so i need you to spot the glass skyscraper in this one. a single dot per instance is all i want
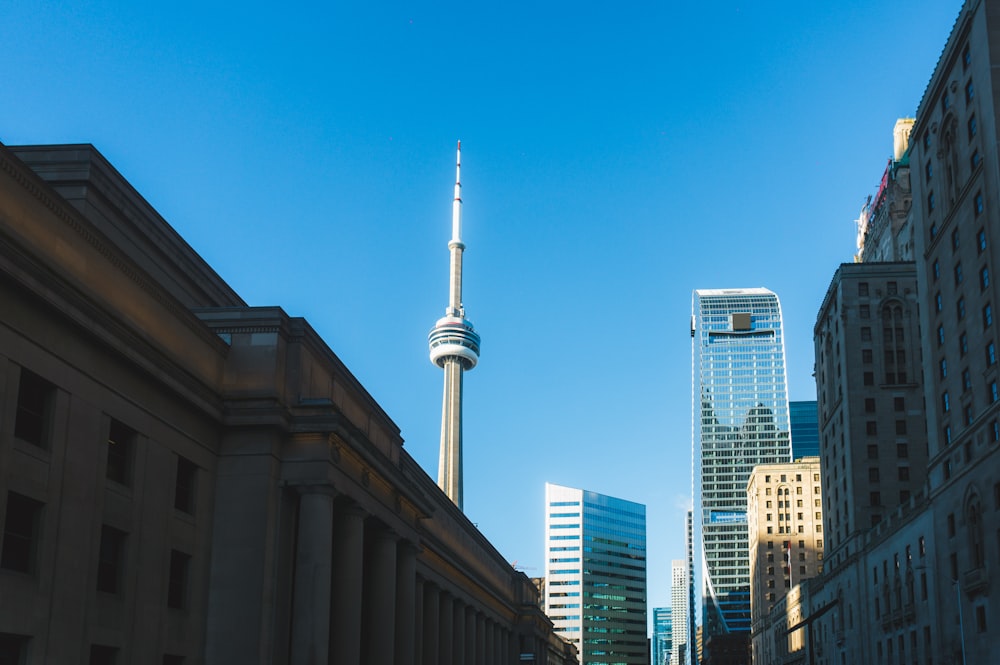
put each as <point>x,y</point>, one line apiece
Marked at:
<point>595,574</point>
<point>740,419</point>
<point>804,421</point>
<point>662,635</point>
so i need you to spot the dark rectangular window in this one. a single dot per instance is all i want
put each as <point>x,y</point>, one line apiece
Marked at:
<point>171,659</point>
<point>902,451</point>
<point>184,485</point>
<point>103,655</point>
<point>966,57</point>
<point>958,274</point>
<point>866,356</point>
<point>865,312</point>
<point>866,334</point>
<point>981,240</point>
<point>121,444</point>
<point>873,474</point>
<point>945,402</point>
<point>13,649</point>
<point>904,473</point>
<point>987,316</point>
<point>177,585</point>
<point>936,269</point>
<point>984,278</point>
<point>891,288</point>
<point>960,308</point>
<point>970,91</point>
<point>966,380</point>
<point>898,404</point>
<point>862,288</point>
<point>900,427</point>
<point>875,499</point>
<point>21,529</point>
<point>972,127</point>
<point>991,354</point>
<point>980,618</point>
<point>977,203</point>
<point>34,405</point>
<point>869,378</point>
<point>872,451</point>
<point>975,159</point>
<point>111,560</point>
<point>930,202</point>
<point>871,427</point>
<point>940,335</point>
<point>938,302</point>
<point>869,405</point>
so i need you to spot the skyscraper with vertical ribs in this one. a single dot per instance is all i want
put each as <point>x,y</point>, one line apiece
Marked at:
<point>454,347</point>
<point>740,405</point>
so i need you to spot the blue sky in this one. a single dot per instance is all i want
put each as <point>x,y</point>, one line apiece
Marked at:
<point>615,157</point>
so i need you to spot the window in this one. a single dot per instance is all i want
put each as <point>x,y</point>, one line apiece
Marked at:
<point>903,473</point>
<point>20,533</point>
<point>963,344</point>
<point>930,202</point>
<point>873,474</point>
<point>960,308</point>
<point>171,659</point>
<point>875,498</point>
<point>943,368</point>
<point>898,404</point>
<point>13,648</point>
<point>966,57</point>
<point>862,288</point>
<point>940,335</point>
<point>966,380</point>
<point>869,405</point>
<point>958,274</point>
<point>938,302</point>
<point>972,126</point>
<point>936,269</point>
<point>991,354</point>
<point>872,451</point>
<point>871,427</point>
<point>177,585</point>
<point>987,316</point>
<point>981,240</point>
<point>946,101</point>
<point>111,560</point>
<point>933,230</point>
<point>869,378</point>
<point>928,171</point>
<point>902,451</point>
<point>891,288</point>
<point>977,202</point>
<point>994,396</point>
<point>34,404</point>
<point>975,159</point>
<point>955,240</point>
<point>980,618</point>
<point>969,91</point>
<point>900,427</point>
<point>984,278</point>
<point>945,402</point>
<point>951,525</point>
<point>866,334</point>
<point>184,485</point>
<point>103,655</point>
<point>121,441</point>
<point>947,440</point>
<point>865,312</point>
<point>866,356</point>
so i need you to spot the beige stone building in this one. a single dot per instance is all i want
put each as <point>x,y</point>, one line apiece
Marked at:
<point>186,479</point>
<point>785,521</point>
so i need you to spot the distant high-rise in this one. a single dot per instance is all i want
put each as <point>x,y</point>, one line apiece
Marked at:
<point>740,405</point>
<point>454,347</point>
<point>595,574</point>
<point>804,423</point>
<point>662,635</point>
<point>679,607</point>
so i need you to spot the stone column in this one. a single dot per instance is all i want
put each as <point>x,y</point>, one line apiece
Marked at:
<point>446,643</point>
<point>491,644</point>
<point>470,635</point>
<point>313,576</point>
<point>431,632</point>
<point>406,607</point>
<point>480,639</point>
<point>348,576</point>
<point>379,604</point>
<point>458,630</point>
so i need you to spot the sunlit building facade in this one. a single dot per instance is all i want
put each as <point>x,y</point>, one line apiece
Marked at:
<point>741,419</point>
<point>679,605</point>
<point>595,574</point>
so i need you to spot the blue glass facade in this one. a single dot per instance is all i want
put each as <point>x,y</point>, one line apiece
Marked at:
<point>804,421</point>
<point>595,574</point>
<point>662,635</point>
<point>741,419</point>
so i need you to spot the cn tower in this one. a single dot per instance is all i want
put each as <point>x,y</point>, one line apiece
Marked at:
<point>454,347</point>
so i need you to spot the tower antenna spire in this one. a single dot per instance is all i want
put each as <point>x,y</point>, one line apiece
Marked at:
<point>454,347</point>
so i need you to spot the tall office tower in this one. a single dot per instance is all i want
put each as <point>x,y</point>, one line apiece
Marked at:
<point>454,347</point>
<point>662,635</point>
<point>595,574</point>
<point>956,217</point>
<point>804,422</point>
<point>870,402</point>
<point>785,520</point>
<point>740,417</point>
<point>693,653</point>
<point>884,229</point>
<point>679,610</point>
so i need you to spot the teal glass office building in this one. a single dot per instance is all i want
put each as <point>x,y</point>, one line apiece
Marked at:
<point>595,574</point>
<point>740,419</point>
<point>663,633</point>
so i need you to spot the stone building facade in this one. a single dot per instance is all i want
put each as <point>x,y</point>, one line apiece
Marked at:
<point>186,479</point>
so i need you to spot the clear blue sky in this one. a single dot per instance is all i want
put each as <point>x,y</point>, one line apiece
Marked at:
<point>615,157</point>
